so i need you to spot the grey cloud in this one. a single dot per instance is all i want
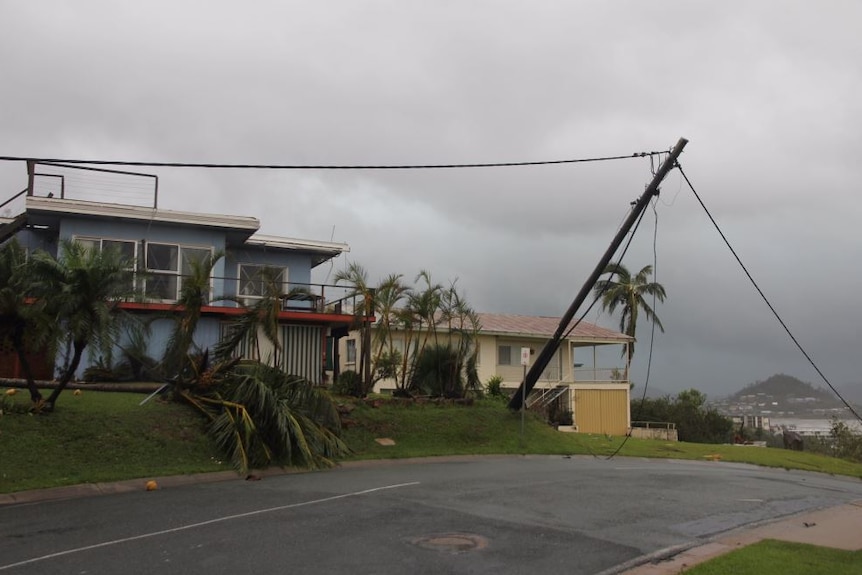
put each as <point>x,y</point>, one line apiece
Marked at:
<point>767,93</point>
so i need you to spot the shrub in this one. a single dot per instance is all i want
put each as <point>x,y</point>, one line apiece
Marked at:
<point>848,444</point>
<point>695,421</point>
<point>494,387</point>
<point>348,383</point>
<point>438,372</point>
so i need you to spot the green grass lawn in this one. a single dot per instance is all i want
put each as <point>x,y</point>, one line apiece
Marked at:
<point>771,557</point>
<point>487,427</point>
<point>96,437</point>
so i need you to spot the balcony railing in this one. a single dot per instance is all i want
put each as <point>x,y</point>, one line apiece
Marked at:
<point>600,375</point>
<point>294,297</point>
<point>552,376</point>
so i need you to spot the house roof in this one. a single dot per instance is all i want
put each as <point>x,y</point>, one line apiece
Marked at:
<point>240,230</point>
<point>320,251</point>
<point>50,209</point>
<point>545,327</point>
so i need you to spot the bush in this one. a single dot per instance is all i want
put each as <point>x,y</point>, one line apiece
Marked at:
<point>348,383</point>
<point>842,442</point>
<point>694,421</point>
<point>494,387</point>
<point>438,372</point>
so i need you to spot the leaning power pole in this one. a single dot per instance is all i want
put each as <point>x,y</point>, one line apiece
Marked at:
<point>554,343</point>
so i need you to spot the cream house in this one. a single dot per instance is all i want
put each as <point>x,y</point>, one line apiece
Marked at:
<point>588,374</point>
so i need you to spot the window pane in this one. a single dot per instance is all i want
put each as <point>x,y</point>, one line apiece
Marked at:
<point>162,286</point>
<point>193,255</point>
<point>249,280</point>
<point>125,249</point>
<point>255,280</point>
<point>504,355</point>
<point>351,351</point>
<point>162,257</point>
<point>87,244</point>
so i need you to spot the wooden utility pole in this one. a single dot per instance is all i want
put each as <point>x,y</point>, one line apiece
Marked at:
<point>554,343</point>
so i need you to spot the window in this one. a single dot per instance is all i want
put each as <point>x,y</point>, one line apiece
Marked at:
<point>504,355</point>
<point>126,248</point>
<point>257,281</point>
<point>351,351</point>
<point>167,264</point>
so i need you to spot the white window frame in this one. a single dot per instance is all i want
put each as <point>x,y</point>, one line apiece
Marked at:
<point>350,345</point>
<point>100,241</point>
<point>499,354</point>
<point>246,297</point>
<point>177,272</point>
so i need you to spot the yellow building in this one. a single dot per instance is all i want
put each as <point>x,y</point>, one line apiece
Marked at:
<point>588,374</point>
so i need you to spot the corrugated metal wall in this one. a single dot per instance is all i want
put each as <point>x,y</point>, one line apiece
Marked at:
<point>302,353</point>
<point>601,411</point>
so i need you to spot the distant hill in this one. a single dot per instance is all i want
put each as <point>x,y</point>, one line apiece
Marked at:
<point>781,385</point>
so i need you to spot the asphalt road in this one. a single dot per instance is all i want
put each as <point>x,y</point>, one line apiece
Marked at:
<point>530,514</point>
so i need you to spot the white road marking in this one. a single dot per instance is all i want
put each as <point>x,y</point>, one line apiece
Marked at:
<point>203,523</point>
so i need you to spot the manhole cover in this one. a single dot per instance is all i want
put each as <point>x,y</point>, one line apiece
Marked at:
<point>451,542</point>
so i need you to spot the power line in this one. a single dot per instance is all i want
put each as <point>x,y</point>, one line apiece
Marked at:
<point>324,166</point>
<point>765,299</point>
<point>652,330</point>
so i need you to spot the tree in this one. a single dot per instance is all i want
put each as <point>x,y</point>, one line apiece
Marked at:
<point>389,294</point>
<point>628,293</point>
<point>194,294</point>
<point>258,414</point>
<point>22,322</point>
<point>261,317</point>
<point>261,416</point>
<point>80,291</point>
<point>357,277</point>
<point>695,421</point>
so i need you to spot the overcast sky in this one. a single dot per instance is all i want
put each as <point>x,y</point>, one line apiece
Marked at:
<point>768,93</point>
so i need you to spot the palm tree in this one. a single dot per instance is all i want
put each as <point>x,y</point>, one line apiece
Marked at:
<point>627,293</point>
<point>261,317</point>
<point>80,290</point>
<point>426,304</point>
<point>389,294</point>
<point>357,277</point>
<point>22,322</point>
<point>261,416</point>
<point>194,295</point>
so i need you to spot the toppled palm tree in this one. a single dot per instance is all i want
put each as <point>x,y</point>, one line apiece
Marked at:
<point>260,416</point>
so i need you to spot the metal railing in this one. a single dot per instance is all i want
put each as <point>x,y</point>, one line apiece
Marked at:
<point>294,296</point>
<point>654,424</point>
<point>600,374</point>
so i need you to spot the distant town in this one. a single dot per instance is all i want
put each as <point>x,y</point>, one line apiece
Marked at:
<point>784,402</point>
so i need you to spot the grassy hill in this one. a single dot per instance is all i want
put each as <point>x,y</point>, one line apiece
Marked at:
<point>95,437</point>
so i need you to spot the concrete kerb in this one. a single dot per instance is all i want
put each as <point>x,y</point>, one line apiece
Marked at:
<point>836,527</point>
<point>139,484</point>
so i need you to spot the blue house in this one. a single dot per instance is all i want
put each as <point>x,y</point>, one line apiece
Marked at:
<point>162,244</point>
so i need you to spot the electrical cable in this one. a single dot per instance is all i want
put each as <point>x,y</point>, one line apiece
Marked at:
<point>765,299</point>
<point>323,166</point>
<point>606,285</point>
<point>651,336</point>
<point>598,296</point>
